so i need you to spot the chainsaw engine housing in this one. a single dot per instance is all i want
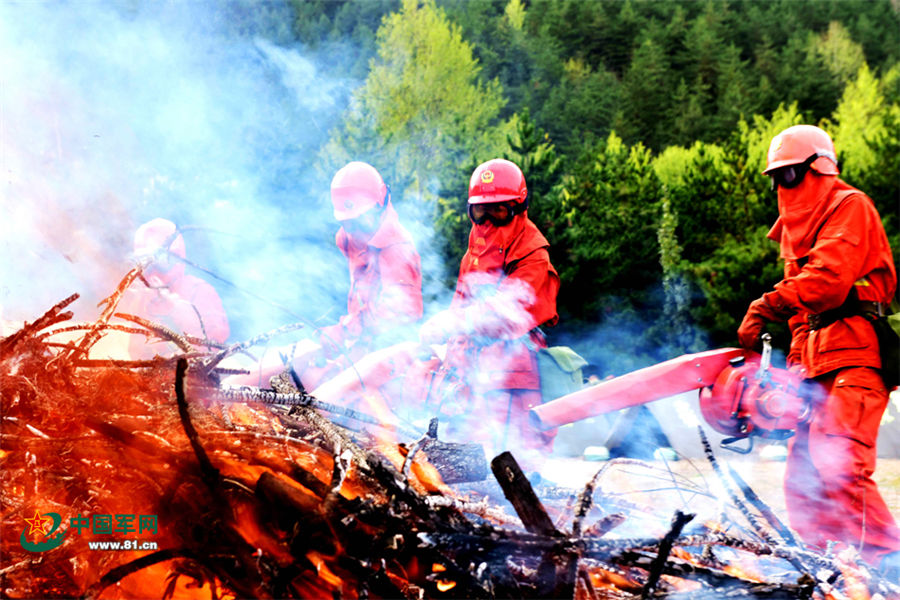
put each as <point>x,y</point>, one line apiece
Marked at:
<point>746,400</point>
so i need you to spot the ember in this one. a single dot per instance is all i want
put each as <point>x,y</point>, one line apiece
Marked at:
<point>247,493</point>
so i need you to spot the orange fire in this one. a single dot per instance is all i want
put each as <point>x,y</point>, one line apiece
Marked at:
<point>239,500</point>
<point>94,444</point>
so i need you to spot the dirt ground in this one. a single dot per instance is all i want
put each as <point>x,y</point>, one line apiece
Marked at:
<point>764,477</point>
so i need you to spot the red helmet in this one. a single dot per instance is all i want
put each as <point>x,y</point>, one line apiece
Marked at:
<point>497,180</point>
<point>356,188</point>
<point>799,144</point>
<point>154,235</point>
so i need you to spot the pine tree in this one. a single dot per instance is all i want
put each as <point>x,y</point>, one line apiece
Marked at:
<point>423,108</point>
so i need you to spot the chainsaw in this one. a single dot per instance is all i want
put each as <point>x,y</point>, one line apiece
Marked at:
<point>741,394</point>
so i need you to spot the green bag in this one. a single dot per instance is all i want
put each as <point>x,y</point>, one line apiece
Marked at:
<point>887,328</point>
<point>560,370</point>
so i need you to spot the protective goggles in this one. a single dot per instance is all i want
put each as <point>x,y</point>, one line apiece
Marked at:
<point>498,213</point>
<point>791,176</point>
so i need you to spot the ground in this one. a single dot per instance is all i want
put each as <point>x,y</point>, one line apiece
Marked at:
<point>764,476</point>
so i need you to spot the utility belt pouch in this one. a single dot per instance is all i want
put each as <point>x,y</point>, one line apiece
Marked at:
<point>887,327</point>
<point>885,321</point>
<point>850,308</point>
<point>560,369</point>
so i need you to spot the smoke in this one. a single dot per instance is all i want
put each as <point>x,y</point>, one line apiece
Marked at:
<point>111,115</point>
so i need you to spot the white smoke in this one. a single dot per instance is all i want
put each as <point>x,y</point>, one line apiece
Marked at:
<point>111,115</point>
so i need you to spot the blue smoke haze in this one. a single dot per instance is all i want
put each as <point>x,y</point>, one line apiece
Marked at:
<point>113,114</point>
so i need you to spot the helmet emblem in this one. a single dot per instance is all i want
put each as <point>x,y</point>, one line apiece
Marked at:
<point>779,142</point>
<point>487,176</point>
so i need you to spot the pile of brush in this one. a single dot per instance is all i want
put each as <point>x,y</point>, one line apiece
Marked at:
<point>260,494</point>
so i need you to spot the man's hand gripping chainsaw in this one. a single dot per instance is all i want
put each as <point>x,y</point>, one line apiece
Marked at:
<point>741,394</point>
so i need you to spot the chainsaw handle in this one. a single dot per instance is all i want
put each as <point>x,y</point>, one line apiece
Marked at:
<point>766,360</point>
<point>730,444</point>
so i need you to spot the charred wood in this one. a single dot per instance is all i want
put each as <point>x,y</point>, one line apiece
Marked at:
<point>520,494</point>
<point>678,522</point>
<point>761,506</point>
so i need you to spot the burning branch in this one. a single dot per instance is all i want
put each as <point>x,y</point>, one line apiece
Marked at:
<point>259,494</point>
<point>111,302</point>
<point>161,331</point>
<point>50,318</point>
<point>665,547</point>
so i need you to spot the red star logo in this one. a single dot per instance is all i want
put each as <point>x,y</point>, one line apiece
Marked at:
<point>39,524</point>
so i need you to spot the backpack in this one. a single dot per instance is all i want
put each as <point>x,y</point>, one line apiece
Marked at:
<point>887,328</point>
<point>560,370</point>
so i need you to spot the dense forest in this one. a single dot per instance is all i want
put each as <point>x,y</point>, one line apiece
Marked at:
<point>641,126</point>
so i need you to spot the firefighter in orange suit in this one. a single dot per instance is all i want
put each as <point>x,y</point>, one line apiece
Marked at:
<point>506,290</point>
<point>385,297</point>
<point>838,269</point>
<point>385,268</point>
<point>166,295</point>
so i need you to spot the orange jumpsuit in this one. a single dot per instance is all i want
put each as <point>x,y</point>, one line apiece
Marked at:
<point>385,290</point>
<point>506,289</point>
<point>833,241</point>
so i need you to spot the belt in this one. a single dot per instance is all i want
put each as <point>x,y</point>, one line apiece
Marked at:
<point>870,310</point>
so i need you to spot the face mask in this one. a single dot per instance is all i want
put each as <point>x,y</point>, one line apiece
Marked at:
<point>801,209</point>
<point>365,224</point>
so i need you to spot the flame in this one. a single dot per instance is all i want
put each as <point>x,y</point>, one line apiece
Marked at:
<point>79,459</point>
<point>855,587</point>
<point>715,526</point>
<point>445,585</point>
<point>683,554</point>
<point>153,577</point>
<point>424,477</point>
<point>242,414</point>
<point>681,584</point>
<point>744,570</point>
<point>322,569</point>
<point>66,453</point>
<point>605,579</point>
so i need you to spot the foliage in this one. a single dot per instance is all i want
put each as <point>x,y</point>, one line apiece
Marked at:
<point>422,109</point>
<point>534,152</point>
<point>642,128</point>
<point>604,229</point>
<point>866,131</point>
<point>734,274</point>
<point>675,325</point>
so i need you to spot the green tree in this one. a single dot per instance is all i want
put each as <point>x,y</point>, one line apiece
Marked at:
<point>733,275</point>
<point>882,183</point>
<point>423,109</point>
<point>675,326</point>
<point>865,131</point>
<point>859,115</point>
<point>581,107</point>
<point>685,117</point>
<point>724,209</point>
<point>605,234</point>
<point>841,55</point>
<point>647,92</point>
<point>505,51</point>
<point>804,77</point>
<point>532,149</point>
